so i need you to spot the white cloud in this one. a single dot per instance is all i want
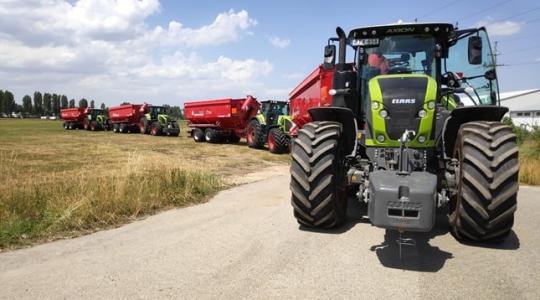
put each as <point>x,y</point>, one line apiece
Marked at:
<point>279,42</point>
<point>505,28</point>
<point>106,49</point>
<point>294,76</point>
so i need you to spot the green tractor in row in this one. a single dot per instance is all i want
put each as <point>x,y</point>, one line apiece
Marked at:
<point>96,119</point>
<point>414,127</point>
<point>271,126</point>
<point>157,121</point>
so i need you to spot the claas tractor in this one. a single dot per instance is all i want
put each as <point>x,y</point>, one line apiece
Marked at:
<point>157,121</point>
<point>414,127</point>
<point>271,126</point>
<point>96,119</point>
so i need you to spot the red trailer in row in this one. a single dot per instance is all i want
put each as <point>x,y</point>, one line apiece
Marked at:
<point>143,118</point>
<point>220,120</point>
<point>314,91</point>
<point>87,118</point>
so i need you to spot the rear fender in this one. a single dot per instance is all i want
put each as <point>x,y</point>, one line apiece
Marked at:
<point>462,115</point>
<point>341,115</point>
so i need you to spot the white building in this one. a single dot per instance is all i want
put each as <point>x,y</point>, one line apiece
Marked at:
<point>524,107</point>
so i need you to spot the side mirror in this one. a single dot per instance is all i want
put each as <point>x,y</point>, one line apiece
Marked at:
<point>475,50</point>
<point>329,57</point>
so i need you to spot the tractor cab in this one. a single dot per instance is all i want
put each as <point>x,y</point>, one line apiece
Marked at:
<point>155,111</point>
<point>272,109</point>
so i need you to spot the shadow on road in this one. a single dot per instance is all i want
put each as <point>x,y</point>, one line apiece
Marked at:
<point>510,243</point>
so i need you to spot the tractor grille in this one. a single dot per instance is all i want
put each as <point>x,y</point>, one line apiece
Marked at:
<point>403,97</point>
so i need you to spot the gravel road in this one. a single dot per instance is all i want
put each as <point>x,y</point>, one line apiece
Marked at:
<point>245,243</point>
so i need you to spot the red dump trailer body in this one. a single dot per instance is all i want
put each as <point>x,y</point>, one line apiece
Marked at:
<point>126,117</point>
<point>220,119</point>
<point>73,117</point>
<point>311,92</point>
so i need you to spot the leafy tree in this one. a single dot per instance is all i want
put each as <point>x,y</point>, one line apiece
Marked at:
<point>83,103</point>
<point>1,101</point>
<point>92,104</point>
<point>47,104</point>
<point>72,103</point>
<point>56,104</point>
<point>176,112</point>
<point>102,105</point>
<point>9,102</point>
<point>27,105</point>
<point>64,101</point>
<point>38,103</point>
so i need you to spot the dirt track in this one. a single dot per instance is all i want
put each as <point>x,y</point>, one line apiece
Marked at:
<point>245,243</point>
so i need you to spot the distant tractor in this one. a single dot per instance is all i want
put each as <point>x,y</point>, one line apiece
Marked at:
<point>220,120</point>
<point>157,121</point>
<point>84,118</point>
<point>414,124</point>
<point>271,126</point>
<point>143,118</point>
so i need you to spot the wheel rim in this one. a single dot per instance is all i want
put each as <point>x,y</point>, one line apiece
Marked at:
<point>154,131</point>
<point>207,135</point>
<point>271,142</point>
<point>141,127</point>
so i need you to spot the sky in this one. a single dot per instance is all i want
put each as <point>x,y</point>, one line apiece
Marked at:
<point>167,52</point>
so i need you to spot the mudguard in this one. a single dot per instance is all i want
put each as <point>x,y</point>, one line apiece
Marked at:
<point>342,115</point>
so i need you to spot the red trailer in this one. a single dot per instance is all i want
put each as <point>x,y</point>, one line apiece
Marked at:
<point>126,117</point>
<point>73,117</point>
<point>314,91</point>
<point>221,119</point>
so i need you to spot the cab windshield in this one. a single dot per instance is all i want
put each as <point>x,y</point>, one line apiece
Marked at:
<point>96,112</point>
<point>400,54</point>
<point>158,110</point>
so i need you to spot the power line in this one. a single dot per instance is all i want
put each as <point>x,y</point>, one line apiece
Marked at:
<point>486,9</point>
<point>517,15</point>
<point>522,63</point>
<point>439,8</point>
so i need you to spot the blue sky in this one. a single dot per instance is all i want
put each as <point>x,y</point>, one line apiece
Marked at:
<point>170,51</point>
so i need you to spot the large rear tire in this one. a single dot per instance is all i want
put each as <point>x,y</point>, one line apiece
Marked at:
<point>318,182</point>
<point>278,141</point>
<point>484,205</point>
<point>255,135</point>
<point>144,127</point>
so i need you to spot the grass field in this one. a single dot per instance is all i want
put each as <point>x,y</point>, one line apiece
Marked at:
<point>56,183</point>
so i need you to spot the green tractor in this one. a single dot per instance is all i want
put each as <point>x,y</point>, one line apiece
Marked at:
<point>96,119</point>
<point>271,126</point>
<point>415,126</point>
<point>157,121</point>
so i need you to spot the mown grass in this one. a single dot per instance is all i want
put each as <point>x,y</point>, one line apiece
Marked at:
<point>56,183</point>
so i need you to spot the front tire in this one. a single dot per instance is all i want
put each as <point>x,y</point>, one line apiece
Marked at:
<point>156,129</point>
<point>483,208</point>
<point>318,176</point>
<point>278,142</point>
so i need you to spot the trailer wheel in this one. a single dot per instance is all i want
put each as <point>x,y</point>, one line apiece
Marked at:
<point>115,128</point>
<point>233,138</point>
<point>212,136</point>
<point>486,200</point>
<point>255,135</point>
<point>143,126</point>
<point>278,142</point>
<point>318,182</point>
<point>70,125</point>
<point>65,126</point>
<point>198,135</point>
<point>93,125</point>
<point>156,129</point>
<point>123,128</point>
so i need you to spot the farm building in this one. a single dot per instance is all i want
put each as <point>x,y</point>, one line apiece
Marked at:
<point>524,107</point>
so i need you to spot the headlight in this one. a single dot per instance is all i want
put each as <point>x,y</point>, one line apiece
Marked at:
<point>422,113</point>
<point>383,113</point>
<point>431,104</point>
<point>380,138</point>
<point>421,139</point>
<point>375,105</point>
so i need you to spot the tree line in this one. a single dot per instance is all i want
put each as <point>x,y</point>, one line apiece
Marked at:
<point>48,104</point>
<point>45,104</point>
